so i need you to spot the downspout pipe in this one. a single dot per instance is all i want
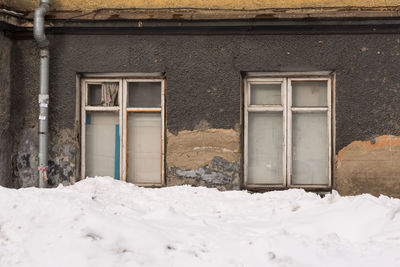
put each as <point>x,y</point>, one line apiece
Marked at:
<point>43,43</point>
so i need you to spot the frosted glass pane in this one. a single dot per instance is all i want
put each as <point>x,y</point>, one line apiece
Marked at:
<point>144,147</point>
<point>310,156</point>
<point>309,94</point>
<point>94,94</point>
<point>144,94</point>
<point>265,94</point>
<point>265,148</point>
<point>100,143</point>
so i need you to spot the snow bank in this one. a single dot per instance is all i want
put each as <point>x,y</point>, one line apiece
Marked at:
<point>102,222</point>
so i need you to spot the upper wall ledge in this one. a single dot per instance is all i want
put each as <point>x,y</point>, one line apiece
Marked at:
<point>89,5</point>
<point>20,12</point>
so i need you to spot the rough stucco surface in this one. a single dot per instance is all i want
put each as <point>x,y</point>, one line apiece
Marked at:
<point>227,4</point>
<point>5,99</point>
<point>204,82</point>
<point>370,167</point>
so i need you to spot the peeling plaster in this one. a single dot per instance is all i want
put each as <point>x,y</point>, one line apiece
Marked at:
<point>194,149</point>
<point>374,144</point>
<point>204,156</point>
<point>370,166</point>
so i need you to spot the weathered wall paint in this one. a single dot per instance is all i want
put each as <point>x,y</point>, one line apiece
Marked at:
<point>221,4</point>
<point>204,89</point>
<point>193,149</point>
<point>6,48</point>
<point>370,166</point>
<point>204,157</point>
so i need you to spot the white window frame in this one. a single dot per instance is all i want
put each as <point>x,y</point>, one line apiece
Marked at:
<point>286,108</point>
<point>122,110</point>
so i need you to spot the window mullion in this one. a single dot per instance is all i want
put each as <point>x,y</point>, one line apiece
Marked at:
<point>83,128</point>
<point>284,131</point>
<point>309,109</point>
<point>329,121</point>
<point>124,129</point>
<point>289,133</point>
<point>246,133</point>
<point>143,109</point>
<point>276,108</point>
<point>86,94</point>
<point>162,174</point>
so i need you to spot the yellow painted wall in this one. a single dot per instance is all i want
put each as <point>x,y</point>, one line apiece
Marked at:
<point>74,5</point>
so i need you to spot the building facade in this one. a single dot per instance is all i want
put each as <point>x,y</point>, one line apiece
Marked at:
<point>226,94</point>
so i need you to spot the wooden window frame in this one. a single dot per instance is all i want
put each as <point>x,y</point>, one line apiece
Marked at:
<point>122,110</point>
<point>287,110</point>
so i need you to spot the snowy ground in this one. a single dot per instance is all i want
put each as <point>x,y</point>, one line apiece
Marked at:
<point>102,222</point>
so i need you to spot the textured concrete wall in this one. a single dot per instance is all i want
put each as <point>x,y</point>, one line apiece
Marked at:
<point>24,113</point>
<point>6,46</point>
<point>227,4</point>
<point>204,93</point>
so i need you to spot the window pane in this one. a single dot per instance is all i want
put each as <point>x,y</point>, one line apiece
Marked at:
<point>144,94</point>
<point>309,94</point>
<point>104,94</point>
<point>265,94</point>
<point>265,148</point>
<point>100,143</point>
<point>144,147</point>
<point>310,143</point>
<point>94,94</point>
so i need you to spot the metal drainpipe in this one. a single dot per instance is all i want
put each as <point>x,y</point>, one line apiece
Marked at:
<point>43,43</point>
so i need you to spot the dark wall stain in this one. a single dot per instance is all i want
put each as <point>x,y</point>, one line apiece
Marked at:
<point>218,172</point>
<point>24,161</point>
<point>25,156</point>
<point>58,173</point>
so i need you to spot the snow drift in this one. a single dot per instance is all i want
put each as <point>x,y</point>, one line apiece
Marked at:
<point>102,222</point>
